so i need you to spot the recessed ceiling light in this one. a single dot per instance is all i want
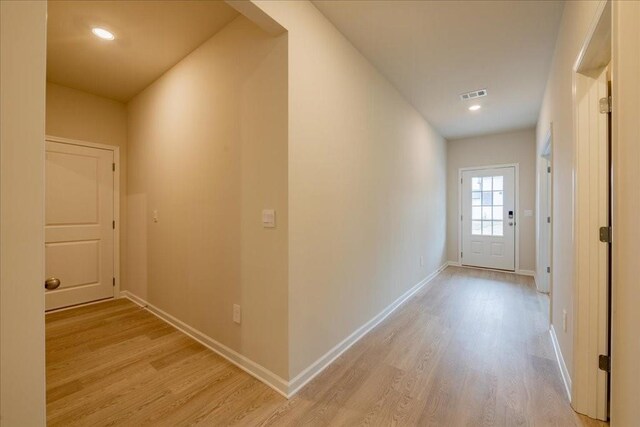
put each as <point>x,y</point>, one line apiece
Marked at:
<point>102,33</point>
<point>475,107</point>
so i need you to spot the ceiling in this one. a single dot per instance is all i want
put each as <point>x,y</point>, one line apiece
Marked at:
<point>433,51</point>
<point>151,37</point>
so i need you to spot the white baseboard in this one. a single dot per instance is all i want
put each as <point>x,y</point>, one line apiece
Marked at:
<point>526,273</point>
<point>566,378</point>
<point>256,370</point>
<point>324,361</point>
<point>454,264</point>
<point>282,386</point>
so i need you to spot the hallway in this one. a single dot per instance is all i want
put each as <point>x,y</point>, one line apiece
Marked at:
<point>471,348</point>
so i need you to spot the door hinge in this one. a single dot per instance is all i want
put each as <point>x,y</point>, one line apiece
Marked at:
<point>548,220</point>
<point>605,105</point>
<point>461,216</point>
<point>114,281</point>
<point>604,363</point>
<point>548,269</point>
<point>460,180</point>
<point>113,224</point>
<point>605,234</point>
<point>113,167</point>
<point>460,254</point>
<point>548,169</point>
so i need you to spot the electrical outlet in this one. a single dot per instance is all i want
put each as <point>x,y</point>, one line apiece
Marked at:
<point>421,261</point>
<point>564,320</point>
<point>236,313</point>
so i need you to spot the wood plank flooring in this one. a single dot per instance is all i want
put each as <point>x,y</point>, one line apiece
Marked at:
<point>472,349</point>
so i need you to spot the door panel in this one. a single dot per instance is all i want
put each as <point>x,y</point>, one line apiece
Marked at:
<point>79,237</point>
<point>489,218</point>
<point>72,187</point>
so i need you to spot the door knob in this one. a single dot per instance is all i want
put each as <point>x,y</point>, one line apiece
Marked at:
<point>51,283</point>
<point>511,224</point>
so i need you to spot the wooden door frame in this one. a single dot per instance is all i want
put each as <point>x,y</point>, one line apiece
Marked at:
<point>116,199</point>
<point>516,192</point>
<point>590,309</point>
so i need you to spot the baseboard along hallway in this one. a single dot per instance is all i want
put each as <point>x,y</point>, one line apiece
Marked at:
<point>472,348</point>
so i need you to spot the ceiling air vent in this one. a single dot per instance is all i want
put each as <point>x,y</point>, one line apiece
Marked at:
<point>473,94</point>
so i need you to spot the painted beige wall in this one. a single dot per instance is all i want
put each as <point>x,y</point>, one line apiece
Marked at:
<point>625,382</point>
<point>557,108</point>
<point>22,91</point>
<point>74,114</point>
<point>366,187</point>
<point>207,149</point>
<point>508,147</point>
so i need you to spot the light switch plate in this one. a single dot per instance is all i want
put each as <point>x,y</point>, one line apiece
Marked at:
<point>236,313</point>
<point>268,218</point>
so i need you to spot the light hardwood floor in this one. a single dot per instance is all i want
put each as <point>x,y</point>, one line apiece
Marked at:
<point>471,349</point>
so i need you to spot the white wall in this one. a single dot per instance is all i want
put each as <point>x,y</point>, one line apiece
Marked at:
<point>74,114</point>
<point>22,91</point>
<point>207,150</point>
<point>557,108</point>
<point>507,147</point>
<point>367,187</point>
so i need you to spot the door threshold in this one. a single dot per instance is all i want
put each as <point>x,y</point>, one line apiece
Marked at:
<point>83,304</point>
<point>497,270</point>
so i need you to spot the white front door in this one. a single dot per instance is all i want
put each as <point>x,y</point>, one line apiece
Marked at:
<point>79,235</point>
<point>489,218</point>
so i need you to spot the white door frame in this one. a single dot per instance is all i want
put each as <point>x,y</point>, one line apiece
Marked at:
<point>625,371</point>
<point>116,199</point>
<point>588,394</point>
<point>516,166</point>
<point>545,178</point>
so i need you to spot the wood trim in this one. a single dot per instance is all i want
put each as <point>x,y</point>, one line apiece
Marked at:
<point>592,34</point>
<point>516,166</point>
<point>566,378</point>
<point>81,143</point>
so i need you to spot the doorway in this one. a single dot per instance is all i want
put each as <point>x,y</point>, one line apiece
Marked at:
<point>488,218</point>
<point>545,187</point>
<point>80,223</point>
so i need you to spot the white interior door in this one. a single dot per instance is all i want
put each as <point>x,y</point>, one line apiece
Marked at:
<point>79,234</point>
<point>489,218</point>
